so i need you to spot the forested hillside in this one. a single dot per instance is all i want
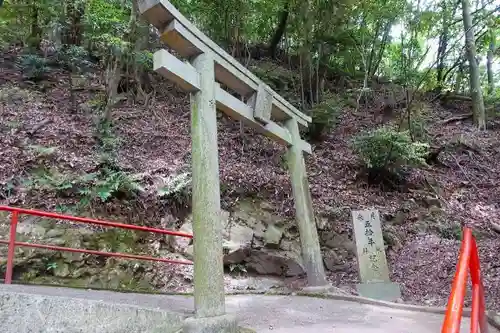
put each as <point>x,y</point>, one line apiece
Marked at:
<point>404,97</point>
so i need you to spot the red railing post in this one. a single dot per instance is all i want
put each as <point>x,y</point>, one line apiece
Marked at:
<point>478,315</point>
<point>454,310</point>
<point>468,262</point>
<point>12,248</point>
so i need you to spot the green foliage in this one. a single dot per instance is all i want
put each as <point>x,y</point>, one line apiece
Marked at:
<point>176,188</point>
<point>144,59</point>
<point>51,266</point>
<point>33,66</point>
<point>63,184</point>
<point>112,183</point>
<point>75,58</point>
<point>88,188</point>
<point>325,116</point>
<point>388,149</point>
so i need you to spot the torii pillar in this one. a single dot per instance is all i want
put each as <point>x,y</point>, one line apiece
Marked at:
<point>263,110</point>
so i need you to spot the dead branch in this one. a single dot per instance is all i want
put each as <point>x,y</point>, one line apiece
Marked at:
<point>464,172</point>
<point>456,97</point>
<point>39,126</point>
<point>495,227</point>
<point>457,118</point>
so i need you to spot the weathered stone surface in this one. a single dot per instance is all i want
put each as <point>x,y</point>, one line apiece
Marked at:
<point>304,214</point>
<point>332,260</point>
<point>386,291</point>
<point>207,228</point>
<point>53,233</point>
<point>69,268</point>
<point>272,236</point>
<point>25,313</point>
<point>61,269</point>
<point>32,229</point>
<point>322,223</point>
<point>181,243</point>
<point>258,283</point>
<point>373,268</point>
<point>238,246</point>
<point>218,324</point>
<point>274,262</point>
<point>333,240</point>
<point>370,246</point>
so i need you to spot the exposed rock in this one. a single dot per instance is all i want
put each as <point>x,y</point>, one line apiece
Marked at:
<point>272,236</point>
<point>392,239</point>
<point>292,245</point>
<point>73,257</point>
<point>189,252</point>
<point>238,246</point>
<point>333,240</point>
<point>332,261</point>
<point>265,205</point>
<point>58,242</point>
<point>431,201</point>
<point>61,269</point>
<point>274,262</point>
<point>31,228</point>
<point>181,243</point>
<point>322,223</point>
<point>53,233</point>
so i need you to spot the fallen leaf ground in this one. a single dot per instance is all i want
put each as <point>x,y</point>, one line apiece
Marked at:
<point>155,141</point>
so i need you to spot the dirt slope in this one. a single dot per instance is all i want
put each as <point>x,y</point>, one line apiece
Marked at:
<point>155,142</point>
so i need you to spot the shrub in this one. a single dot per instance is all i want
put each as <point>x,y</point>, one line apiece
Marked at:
<point>324,116</point>
<point>75,58</point>
<point>386,149</point>
<point>33,66</point>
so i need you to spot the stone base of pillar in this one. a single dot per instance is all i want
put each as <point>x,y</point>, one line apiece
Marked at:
<point>220,324</point>
<point>327,288</point>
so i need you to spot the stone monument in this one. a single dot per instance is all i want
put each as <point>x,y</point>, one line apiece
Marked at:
<point>372,262</point>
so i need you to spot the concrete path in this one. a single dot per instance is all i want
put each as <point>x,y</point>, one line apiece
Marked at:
<point>277,314</point>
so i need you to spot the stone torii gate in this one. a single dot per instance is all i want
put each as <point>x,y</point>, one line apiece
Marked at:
<point>259,107</point>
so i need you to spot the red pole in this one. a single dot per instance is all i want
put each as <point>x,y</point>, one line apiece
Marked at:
<point>454,309</point>
<point>478,315</point>
<point>12,248</point>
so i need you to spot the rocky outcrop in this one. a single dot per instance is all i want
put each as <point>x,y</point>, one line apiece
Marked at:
<point>267,244</point>
<point>256,240</point>
<point>78,269</point>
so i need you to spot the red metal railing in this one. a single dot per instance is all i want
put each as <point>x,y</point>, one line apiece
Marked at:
<point>12,243</point>
<point>468,262</point>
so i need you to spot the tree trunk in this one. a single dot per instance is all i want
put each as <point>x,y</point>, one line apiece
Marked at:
<point>489,62</point>
<point>385,40</point>
<point>458,79</point>
<point>369,64</point>
<point>475,83</point>
<point>73,31</point>
<point>36,31</point>
<point>443,45</point>
<point>280,30</point>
